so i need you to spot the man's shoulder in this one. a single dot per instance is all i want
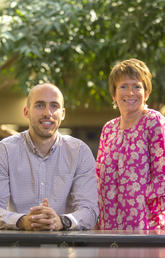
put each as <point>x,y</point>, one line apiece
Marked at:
<point>68,139</point>
<point>72,143</point>
<point>74,146</point>
<point>13,139</point>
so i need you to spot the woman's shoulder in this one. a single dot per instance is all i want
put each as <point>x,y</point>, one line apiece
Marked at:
<point>152,114</point>
<point>112,122</point>
<point>111,125</point>
<point>154,117</point>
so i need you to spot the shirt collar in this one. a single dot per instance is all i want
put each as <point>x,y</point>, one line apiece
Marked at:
<point>35,150</point>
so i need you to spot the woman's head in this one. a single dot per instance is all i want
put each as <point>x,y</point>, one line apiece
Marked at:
<point>131,68</point>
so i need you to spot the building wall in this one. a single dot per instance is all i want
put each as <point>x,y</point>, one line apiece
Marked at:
<point>11,112</point>
<point>85,124</point>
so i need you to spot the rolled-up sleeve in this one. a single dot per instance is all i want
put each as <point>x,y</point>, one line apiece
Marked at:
<point>83,195</point>
<point>8,218</point>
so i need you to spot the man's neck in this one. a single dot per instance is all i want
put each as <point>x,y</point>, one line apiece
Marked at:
<point>44,145</point>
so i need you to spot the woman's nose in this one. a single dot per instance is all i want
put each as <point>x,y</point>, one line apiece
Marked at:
<point>131,90</point>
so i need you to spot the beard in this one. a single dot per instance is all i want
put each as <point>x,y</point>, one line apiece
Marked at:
<point>44,133</point>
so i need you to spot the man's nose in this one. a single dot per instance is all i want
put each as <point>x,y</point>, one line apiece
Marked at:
<point>47,110</point>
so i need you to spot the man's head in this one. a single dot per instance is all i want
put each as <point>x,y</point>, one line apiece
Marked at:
<point>45,110</point>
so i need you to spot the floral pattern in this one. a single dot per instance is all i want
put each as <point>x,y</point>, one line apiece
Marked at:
<point>131,174</point>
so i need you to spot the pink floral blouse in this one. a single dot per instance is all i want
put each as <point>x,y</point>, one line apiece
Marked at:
<point>131,174</point>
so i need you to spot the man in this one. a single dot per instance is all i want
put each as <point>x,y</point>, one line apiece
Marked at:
<point>47,178</point>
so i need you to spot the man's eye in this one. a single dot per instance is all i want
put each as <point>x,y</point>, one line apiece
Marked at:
<point>39,105</point>
<point>54,106</point>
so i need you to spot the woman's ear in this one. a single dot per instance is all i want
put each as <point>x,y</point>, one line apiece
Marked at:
<point>114,99</point>
<point>146,96</point>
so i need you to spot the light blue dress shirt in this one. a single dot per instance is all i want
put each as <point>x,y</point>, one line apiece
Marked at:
<point>67,177</point>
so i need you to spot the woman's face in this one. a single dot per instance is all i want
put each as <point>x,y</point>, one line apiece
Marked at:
<point>130,95</point>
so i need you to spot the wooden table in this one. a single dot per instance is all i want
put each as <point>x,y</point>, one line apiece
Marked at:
<point>91,238</point>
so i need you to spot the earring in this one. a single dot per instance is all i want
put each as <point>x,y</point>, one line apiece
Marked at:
<point>145,106</point>
<point>114,104</point>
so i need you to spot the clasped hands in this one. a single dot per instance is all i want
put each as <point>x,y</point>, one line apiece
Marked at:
<point>41,217</point>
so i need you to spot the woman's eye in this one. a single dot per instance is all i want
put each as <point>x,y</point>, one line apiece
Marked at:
<point>123,86</point>
<point>138,87</point>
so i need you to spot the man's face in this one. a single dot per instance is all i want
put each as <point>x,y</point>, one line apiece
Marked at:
<point>45,111</point>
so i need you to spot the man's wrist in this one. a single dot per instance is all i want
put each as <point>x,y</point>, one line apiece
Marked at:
<point>66,222</point>
<point>20,223</point>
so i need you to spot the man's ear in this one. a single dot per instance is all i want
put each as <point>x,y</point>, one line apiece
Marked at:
<point>63,114</point>
<point>26,113</point>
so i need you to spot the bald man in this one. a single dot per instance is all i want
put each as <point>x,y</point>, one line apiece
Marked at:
<point>48,179</point>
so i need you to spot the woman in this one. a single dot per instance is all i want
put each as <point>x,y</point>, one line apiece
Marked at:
<point>131,155</point>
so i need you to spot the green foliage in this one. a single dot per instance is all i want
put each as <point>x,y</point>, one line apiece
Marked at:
<point>74,43</point>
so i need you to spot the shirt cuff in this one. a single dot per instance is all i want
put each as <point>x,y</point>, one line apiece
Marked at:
<point>73,220</point>
<point>12,221</point>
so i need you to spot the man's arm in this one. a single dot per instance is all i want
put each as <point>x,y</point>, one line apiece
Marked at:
<point>8,219</point>
<point>83,198</point>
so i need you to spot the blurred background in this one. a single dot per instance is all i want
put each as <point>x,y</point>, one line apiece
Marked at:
<point>74,44</point>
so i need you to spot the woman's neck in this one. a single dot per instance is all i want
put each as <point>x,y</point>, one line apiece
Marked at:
<point>127,121</point>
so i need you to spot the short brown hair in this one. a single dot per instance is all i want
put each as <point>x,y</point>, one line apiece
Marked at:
<point>132,68</point>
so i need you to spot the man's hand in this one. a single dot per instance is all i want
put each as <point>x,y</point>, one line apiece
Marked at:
<point>45,218</point>
<point>41,218</point>
<point>25,222</point>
